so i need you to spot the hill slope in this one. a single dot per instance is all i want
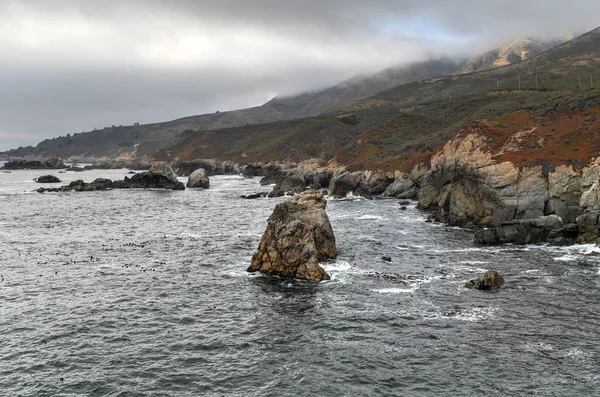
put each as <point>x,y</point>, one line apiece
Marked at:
<point>508,54</point>
<point>413,119</point>
<point>139,140</point>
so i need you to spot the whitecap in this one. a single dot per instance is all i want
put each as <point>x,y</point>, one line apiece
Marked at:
<point>566,258</point>
<point>370,218</point>
<point>336,266</point>
<point>395,291</point>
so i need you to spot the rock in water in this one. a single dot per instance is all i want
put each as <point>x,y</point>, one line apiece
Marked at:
<point>47,179</point>
<point>490,279</point>
<point>297,237</point>
<point>164,169</point>
<point>198,179</point>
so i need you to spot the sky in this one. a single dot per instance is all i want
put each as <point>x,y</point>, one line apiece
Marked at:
<point>69,66</point>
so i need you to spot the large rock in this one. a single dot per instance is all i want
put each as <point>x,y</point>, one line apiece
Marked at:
<point>210,166</point>
<point>47,179</point>
<point>490,279</point>
<point>528,231</point>
<point>402,188</point>
<point>297,237</point>
<point>289,184</point>
<point>163,169</point>
<point>349,182</point>
<point>198,179</point>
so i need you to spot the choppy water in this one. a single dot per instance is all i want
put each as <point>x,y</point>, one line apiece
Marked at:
<point>144,293</point>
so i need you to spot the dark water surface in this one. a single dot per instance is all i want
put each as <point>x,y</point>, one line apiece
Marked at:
<point>144,293</point>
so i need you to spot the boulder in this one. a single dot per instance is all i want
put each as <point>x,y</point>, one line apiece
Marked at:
<point>198,179</point>
<point>402,188</point>
<point>349,182</point>
<point>289,184</point>
<point>47,179</point>
<point>528,231</point>
<point>297,237</point>
<point>490,279</point>
<point>210,166</point>
<point>163,169</point>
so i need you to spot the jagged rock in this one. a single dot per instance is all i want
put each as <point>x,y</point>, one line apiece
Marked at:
<point>386,258</point>
<point>403,188</point>
<point>291,183</point>
<point>164,169</point>
<point>297,237</point>
<point>528,231</point>
<point>47,179</point>
<point>75,169</point>
<point>198,179</point>
<point>211,167</point>
<point>349,182</point>
<point>490,279</point>
<point>377,182</point>
<point>156,180</point>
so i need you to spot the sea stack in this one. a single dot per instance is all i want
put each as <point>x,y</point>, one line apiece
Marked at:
<point>297,237</point>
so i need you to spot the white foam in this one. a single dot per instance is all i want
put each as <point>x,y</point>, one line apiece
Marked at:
<point>566,258</point>
<point>337,266</point>
<point>371,218</point>
<point>396,291</point>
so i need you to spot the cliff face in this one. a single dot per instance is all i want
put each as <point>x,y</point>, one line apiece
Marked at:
<point>515,169</point>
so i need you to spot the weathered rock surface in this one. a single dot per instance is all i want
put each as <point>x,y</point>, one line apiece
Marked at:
<point>211,167</point>
<point>350,182</point>
<point>47,179</point>
<point>198,179</point>
<point>288,184</point>
<point>22,164</point>
<point>490,279</point>
<point>297,237</point>
<point>529,231</point>
<point>539,202</point>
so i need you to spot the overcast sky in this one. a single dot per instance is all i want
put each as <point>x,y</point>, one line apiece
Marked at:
<point>73,65</point>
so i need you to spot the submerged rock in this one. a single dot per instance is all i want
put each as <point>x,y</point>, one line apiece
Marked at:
<point>47,179</point>
<point>198,179</point>
<point>490,279</point>
<point>297,237</point>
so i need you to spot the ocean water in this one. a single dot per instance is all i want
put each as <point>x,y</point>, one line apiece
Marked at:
<point>145,293</point>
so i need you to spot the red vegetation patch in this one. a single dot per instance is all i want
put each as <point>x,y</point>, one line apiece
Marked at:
<point>560,138</point>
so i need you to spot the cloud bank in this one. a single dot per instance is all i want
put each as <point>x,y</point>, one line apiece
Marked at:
<point>74,65</point>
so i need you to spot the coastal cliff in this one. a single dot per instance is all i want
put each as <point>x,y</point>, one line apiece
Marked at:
<point>530,178</point>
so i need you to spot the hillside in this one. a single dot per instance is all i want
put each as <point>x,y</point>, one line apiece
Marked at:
<point>139,140</point>
<point>400,126</point>
<point>513,52</point>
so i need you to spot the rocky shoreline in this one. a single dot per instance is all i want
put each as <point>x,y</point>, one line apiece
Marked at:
<point>464,184</point>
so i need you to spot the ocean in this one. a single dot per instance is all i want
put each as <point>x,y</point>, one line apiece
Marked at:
<point>145,293</point>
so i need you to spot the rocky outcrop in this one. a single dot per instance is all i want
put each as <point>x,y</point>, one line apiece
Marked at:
<point>297,237</point>
<point>490,279</point>
<point>549,229</point>
<point>47,179</point>
<point>198,179</point>
<point>349,182</point>
<point>210,166</point>
<point>22,164</point>
<point>116,164</point>
<point>159,177</point>
<point>288,184</point>
<point>473,181</point>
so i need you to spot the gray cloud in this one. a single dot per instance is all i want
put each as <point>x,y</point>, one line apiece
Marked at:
<point>73,65</point>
